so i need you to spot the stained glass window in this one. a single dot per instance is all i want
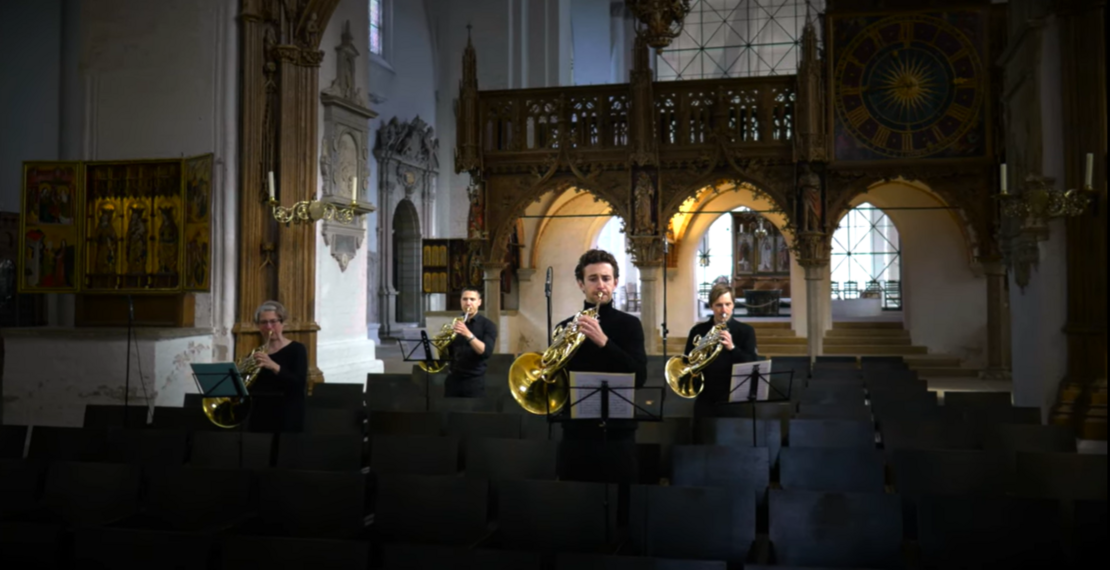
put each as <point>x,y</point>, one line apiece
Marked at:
<point>738,38</point>
<point>867,257</point>
<point>376,19</point>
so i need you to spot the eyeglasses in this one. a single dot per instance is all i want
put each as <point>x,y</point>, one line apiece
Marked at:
<point>270,322</point>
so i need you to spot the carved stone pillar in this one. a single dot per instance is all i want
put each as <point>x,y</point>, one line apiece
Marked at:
<point>491,301</point>
<point>998,308</point>
<point>649,302</point>
<point>813,255</point>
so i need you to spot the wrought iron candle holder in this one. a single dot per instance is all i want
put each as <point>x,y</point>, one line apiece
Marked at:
<point>1040,201</point>
<point>661,20</point>
<point>312,211</point>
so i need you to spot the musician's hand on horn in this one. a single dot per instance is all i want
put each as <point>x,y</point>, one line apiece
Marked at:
<point>266,362</point>
<point>461,329</point>
<point>592,329</point>
<point>726,340</point>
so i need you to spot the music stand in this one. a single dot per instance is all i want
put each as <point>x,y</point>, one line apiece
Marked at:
<point>604,391</point>
<point>760,391</point>
<point>424,345</point>
<point>222,380</point>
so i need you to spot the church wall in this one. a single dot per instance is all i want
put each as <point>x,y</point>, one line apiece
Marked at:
<point>150,80</point>
<point>944,300</point>
<point>1039,311</point>
<point>345,353</point>
<point>590,28</point>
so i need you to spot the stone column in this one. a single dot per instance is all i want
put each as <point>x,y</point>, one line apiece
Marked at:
<point>491,302</point>
<point>813,249</point>
<point>998,305</point>
<point>650,316</point>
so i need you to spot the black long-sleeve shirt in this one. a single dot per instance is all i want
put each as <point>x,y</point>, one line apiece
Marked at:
<point>465,361</point>
<point>623,353</point>
<point>718,374</point>
<point>280,401</point>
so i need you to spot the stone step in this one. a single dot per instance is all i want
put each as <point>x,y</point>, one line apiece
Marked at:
<point>933,361</point>
<point>768,324</point>
<point>867,333</point>
<point>946,372</point>
<point>867,341</point>
<point>874,350</point>
<point>867,325</point>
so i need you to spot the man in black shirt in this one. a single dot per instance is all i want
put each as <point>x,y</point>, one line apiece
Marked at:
<point>473,344</point>
<point>614,344</point>
<point>738,347</point>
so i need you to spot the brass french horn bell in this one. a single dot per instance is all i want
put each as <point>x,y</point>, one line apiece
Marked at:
<point>683,373</point>
<point>230,412</point>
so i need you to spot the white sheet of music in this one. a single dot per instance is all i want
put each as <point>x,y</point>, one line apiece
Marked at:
<point>741,374</point>
<point>583,383</point>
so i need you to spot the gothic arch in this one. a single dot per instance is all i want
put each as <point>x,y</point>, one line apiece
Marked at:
<point>769,181</point>
<point>406,256</point>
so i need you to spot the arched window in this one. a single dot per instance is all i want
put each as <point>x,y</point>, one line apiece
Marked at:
<point>738,38</point>
<point>377,20</point>
<point>715,256</point>
<point>867,257</point>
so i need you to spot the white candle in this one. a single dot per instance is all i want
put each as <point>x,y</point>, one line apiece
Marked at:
<point>1003,178</point>
<point>271,185</point>
<point>1089,178</point>
<point>354,189</point>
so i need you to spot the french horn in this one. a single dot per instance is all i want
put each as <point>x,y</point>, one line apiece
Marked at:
<point>684,372</point>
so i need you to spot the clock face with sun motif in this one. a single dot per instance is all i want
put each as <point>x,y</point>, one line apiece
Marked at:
<point>908,86</point>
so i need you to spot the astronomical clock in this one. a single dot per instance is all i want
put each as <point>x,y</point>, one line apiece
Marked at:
<point>909,85</point>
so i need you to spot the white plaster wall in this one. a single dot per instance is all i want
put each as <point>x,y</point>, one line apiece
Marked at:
<point>344,351</point>
<point>682,308</point>
<point>590,27</point>
<point>1039,312</point>
<point>944,298</point>
<point>67,369</point>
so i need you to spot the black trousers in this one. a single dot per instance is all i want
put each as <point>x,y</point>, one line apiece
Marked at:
<point>459,386</point>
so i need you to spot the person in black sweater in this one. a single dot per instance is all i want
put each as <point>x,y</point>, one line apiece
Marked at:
<point>470,350</point>
<point>738,347</point>
<point>279,391</point>
<point>614,344</point>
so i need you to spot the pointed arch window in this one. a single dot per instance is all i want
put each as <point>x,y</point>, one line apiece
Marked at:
<point>738,38</point>
<point>377,20</point>
<point>867,257</point>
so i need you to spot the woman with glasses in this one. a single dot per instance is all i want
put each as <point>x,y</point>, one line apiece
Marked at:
<point>279,391</point>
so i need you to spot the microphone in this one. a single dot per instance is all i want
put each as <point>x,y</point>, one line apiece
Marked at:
<point>131,307</point>
<point>547,286</point>
<point>666,245</point>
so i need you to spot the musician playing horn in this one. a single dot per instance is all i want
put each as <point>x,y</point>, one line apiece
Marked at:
<point>738,341</point>
<point>280,390</point>
<point>474,342</point>
<point>614,344</point>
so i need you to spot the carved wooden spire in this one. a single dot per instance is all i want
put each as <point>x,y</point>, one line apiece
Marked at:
<point>641,130</point>
<point>810,142</point>
<point>468,155</point>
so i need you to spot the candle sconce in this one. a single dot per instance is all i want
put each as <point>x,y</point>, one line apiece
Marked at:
<point>1040,201</point>
<point>312,211</point>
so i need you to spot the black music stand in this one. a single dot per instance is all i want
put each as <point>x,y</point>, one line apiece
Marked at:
<point>604,391</point>
<point>753,383</point>
<point>427,355</point>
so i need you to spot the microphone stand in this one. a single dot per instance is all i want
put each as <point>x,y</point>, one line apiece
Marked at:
<point>127,373</point>
<point>547,291</point>
<point>666,250</point>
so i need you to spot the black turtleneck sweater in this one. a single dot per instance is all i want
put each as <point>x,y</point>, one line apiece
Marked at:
<point>718,375</point>
<point>622,354</point>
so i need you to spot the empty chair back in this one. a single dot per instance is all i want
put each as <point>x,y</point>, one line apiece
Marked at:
<point>436,510</point>
<point>33,545</point>
<point>834,372</point>
<point>500,459</point>
<point>337,421</point>
<point>977,400</point>
<point>68,444</point>
<point>882,362</point>
<point>91,494</point>
<point>854,530</point>
<point>919,472</point>
<point>186,418</point>
<point>131,549</point>
<point>737,431</point>
<point>20,486</point>
<point>406,423</point>
<point>600,562</point>
<point>258,552</point>
<point>890,376</point>
<point>856,412</point>
<point>113,416</point>
<point>843,470</point>
<point>1029,438</point>
<point>832,433</point>
<point>746,470</point>
<point>317,504</point>
<point>395,392</point>
<point>320,452</point>
<point>336,396</point>
<point>691,522</point>
<point>989,532</point>
<point>467,426</point>
<point>831,393</point>
<point>195,498</point>
<point>567,516</point>
<point>425,556</point>
<point>416,455</point>
<point>1061,475</point>
<point>148,447</point>
<point>13,440</point>
<point>486,405</point>
<point>938,434</point>
<point>1089,522</point>
<point>537,427</point>
<point>232,450</point>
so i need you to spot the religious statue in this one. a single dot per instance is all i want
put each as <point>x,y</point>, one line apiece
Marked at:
<point>105,236</point>
<point>136,242</point>
<point>645,215</point>
<point>476,222</point>
<point>812,207</point>
<point>167,241</point>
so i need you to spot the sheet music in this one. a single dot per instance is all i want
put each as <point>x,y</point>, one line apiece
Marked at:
<point>740,387</point>
<point>583,383</point>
